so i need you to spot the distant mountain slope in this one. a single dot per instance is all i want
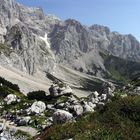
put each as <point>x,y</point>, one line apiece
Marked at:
<point>35,43</point>
<point>121,70</point>
<point>79,46</point>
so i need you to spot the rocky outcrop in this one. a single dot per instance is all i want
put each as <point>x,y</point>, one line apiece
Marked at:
<point>107,89</point>
<point>55,90</point>
<point>78,109</point>
<point>53,110</point>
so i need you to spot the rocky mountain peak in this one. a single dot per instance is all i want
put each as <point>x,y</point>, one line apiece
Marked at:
<point>100,29</point>
<point>52,17</point>
<point>36,38</point>
<point>33,13</point>
<point>10,3</point>
<point>7,16</point>
<point>72,22</point>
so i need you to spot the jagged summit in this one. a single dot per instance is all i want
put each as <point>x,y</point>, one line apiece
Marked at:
<point>52,17</point>
<point>103,30</point>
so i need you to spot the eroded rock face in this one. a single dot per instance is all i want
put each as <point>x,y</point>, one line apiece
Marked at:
<point>22,29</point>
<point>7,15</point>
<point>62,116</point>
<point>79,46</point>
<point>27,30</point>
<point>30,53</point>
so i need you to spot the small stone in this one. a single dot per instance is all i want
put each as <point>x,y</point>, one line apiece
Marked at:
<point>78,109</point>
<point>88,108</point>
<point>91,105</point>
<point>103,97</point>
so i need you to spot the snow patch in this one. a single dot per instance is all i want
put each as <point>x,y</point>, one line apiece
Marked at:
<point>46,40</point>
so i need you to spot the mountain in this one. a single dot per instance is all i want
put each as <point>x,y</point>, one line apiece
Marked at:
<point>26,49</point>
<point>62,76</point>
<point>80,46</point>
<point>39,44</point>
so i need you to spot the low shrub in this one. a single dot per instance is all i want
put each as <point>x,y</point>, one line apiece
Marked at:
<point>9,84</point>
<point>37,95</point>
<point>117,120</point>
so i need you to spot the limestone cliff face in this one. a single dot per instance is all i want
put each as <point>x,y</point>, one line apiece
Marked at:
<point>22,30</point>
<point>79,46</point>
<point>30,53</point>
<point>7,15</point>
<point>36,42</point>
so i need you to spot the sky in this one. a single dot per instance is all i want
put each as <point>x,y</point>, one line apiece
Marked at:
<point>122,16</point>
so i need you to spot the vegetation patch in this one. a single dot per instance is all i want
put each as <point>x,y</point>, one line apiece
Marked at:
<point>37,95</point>
<point>114,121</point>
<point>22,135</point>
<point>121,70</point>
<point>5,49</point>
<point>91,85</point>
<point>9,84</point>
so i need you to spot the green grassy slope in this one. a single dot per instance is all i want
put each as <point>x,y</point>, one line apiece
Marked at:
<point>121,70</point>
<point>117,120</point>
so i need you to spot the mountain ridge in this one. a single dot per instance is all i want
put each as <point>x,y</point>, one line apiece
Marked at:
<point>36,43</point>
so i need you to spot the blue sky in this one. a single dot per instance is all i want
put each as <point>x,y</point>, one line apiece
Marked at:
<point>119,15</point>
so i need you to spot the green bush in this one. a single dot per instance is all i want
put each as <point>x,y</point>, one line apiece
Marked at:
<point>38,95</point>
<point>19,134</point>
<point>9,84</point>
<point>3,91</point>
